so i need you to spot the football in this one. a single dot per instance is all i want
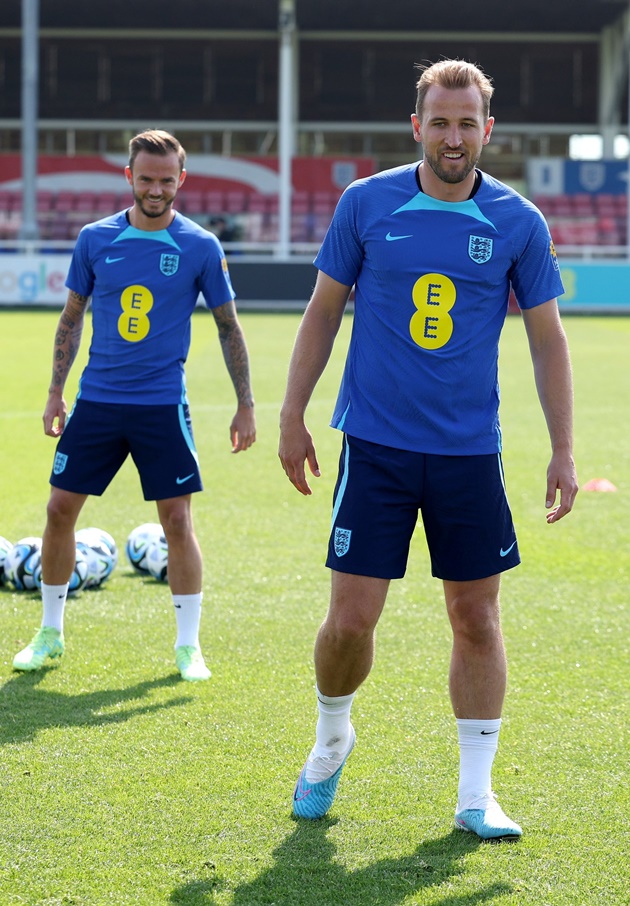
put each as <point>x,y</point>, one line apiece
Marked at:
<point>22,563</point>
<point>98,537</point>
<point>157,558</point>
<point>80,573</point>
<point>138,543</point>
<point>101,552</point>
<point>5,547</point>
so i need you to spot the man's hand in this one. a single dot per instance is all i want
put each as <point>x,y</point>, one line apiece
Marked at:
<point>55,414</point>
<point>561,476</point>
<point>243,429</point>
<point>296,447</point>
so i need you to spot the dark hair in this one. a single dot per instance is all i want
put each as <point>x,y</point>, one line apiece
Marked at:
<point>453,74</point>
<point>156,141</point>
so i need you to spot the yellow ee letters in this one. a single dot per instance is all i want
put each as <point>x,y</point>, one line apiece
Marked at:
<point>432,326</point>
<point>133,324</point>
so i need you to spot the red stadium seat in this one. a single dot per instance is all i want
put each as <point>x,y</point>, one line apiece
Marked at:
<point>45,200</point>
<point>106,203</point>
<point>214,202</point>
<point>324,202</point>
<point>258,204</point>
<point>60,229</point>
<point>85,202</point>
<point>300,203</point>
<point>65,202</point>
<point>15,200</point>
<point>191,202</point>
<point>235,202</point>
<point>583,204</point>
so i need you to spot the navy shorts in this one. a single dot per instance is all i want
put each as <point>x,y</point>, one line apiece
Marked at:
<point>98,437</point>
<point>462,501</point>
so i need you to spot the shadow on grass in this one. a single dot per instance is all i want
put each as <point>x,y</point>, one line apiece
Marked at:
<point>25,710</point>
<point>307,873</point>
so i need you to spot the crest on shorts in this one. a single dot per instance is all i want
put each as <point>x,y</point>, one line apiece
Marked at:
<point>59,464</point>
<point>342,541</point>
<point>480,249</point>
<point>169,264</point>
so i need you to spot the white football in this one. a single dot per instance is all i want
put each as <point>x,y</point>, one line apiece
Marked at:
<point>102,554</point>
<point>157,558</point>
<point>98,537</point>
<point>5,547</point>
<point>138,543</point>
<point>22,563</point>
<point>80,573</point>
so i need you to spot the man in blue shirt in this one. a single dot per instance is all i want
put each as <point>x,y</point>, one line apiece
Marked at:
<point>144,270</point>
<point>432,251</point>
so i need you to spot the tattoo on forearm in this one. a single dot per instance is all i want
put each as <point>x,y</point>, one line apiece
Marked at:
<point>67,338</point>
<point>237,362</point>
<point>235,354</point>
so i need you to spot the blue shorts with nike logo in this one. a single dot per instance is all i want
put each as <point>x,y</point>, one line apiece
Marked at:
<point>98,437</point>
<point>381,492</point>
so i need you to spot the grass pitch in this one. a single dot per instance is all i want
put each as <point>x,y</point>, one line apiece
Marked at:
<point>120,784</point>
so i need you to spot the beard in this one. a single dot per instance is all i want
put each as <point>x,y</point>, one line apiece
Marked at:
<point>153,213</point>
<point>450,175</point>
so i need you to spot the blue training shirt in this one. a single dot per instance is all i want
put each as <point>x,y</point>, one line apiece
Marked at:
<point>432,282</point>
<point>144,287</point>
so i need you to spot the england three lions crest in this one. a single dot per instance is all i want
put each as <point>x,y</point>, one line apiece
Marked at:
<point>169,264</point>
<point>342,541</point>
<point>480,249</point>
<point>60,462</point>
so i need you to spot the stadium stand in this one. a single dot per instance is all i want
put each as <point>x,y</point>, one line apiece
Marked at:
<point>576,220</point>
<point>61,215</point>
<point>586,219</point>
<point>216,87</point>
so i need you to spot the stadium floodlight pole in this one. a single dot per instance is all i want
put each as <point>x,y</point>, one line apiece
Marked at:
<point>30,70</point>
<point>286,126</point>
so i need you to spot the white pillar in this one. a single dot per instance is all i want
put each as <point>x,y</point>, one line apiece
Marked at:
<point>286,123</point>
<point>30,79</point>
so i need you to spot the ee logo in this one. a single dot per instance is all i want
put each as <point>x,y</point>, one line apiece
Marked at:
<point>133,324</point>
<point>432,326</point>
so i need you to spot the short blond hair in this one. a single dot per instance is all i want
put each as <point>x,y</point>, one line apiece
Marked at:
<point>453,74</point>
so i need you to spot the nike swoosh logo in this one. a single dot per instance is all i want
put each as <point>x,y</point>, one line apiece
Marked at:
<point>299,792</point>
<point>505,553</point>
<point>186,478</point>
<point>391,238</point>
<point>109,260</point>
<point>488,732</point>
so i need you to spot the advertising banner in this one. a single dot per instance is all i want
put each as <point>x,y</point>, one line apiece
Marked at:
<point>39,280</point>
<point>557,176</point>
<point>33,279</point>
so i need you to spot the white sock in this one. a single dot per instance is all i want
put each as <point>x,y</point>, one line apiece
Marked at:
<point>332,736</point>
<point>333,723</point>
<point>53,605</point>
<point>478,742</point>
<point>188,617</point>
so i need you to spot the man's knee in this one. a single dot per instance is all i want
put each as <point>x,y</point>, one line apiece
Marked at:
<point>177,522</point>
<point>63,508</point>
<point>356,605</point>
<point>473,609</point>
<point>349,627</point>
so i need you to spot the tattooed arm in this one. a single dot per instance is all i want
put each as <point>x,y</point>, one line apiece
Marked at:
<point>234,348</point>
<point>67,342</point>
